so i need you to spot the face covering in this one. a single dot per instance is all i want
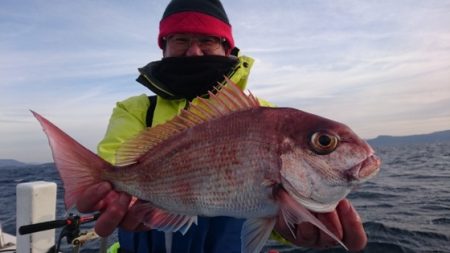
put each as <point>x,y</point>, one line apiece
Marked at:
<point>186,77</point>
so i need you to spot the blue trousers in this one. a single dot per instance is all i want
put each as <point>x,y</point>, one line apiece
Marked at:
<point>211,235</point>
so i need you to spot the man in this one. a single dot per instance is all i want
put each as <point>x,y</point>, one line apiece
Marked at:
<point>198,50</point>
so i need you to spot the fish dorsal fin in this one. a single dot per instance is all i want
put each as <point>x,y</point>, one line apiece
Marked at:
<point>227,99</point>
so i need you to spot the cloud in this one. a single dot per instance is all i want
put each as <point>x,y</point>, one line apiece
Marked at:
<point>379,66</point>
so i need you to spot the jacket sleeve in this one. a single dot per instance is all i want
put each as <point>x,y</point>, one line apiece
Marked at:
<point>127,120</point>
<point>266,103</point>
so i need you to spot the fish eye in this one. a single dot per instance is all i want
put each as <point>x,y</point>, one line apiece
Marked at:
<point>323,143</point>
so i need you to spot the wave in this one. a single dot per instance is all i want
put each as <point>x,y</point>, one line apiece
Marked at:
<point>372,247</point>
<point>381,235</point>
<point>441,221</point>
<point>372,195</point>
<point>385,239</point>
<point>406,207</point>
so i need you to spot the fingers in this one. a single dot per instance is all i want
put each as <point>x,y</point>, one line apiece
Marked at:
<point>133,220</point>
<point>92,198</point>
<point>332,222</point>
<point>355,237</point>
<point>116,208</point>
<point>344,223</point>
<point>308,235</point>
<point>112,204</point>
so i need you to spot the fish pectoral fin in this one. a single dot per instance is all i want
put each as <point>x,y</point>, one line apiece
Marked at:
<point>255,233</point>
<point>162,220</point>
<point>294,213</point>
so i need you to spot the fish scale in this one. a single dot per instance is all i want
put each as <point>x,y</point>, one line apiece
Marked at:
<point>221,182</point>
<point>226,156</point>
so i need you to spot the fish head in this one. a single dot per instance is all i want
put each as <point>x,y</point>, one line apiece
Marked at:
<point>322,160</point>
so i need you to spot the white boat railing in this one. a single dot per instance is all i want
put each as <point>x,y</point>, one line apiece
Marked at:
<point>36,204</point>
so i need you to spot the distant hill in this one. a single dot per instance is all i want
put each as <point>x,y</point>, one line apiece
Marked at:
<point>383,140</point>
<point>11,163</point>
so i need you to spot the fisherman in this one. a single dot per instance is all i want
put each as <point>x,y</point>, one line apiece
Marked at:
<point>198,51</point>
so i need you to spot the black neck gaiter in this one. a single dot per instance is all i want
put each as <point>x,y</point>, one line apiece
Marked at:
<point>186,77</point>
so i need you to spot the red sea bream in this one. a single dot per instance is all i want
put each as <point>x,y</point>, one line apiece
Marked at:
<point>226,156</point>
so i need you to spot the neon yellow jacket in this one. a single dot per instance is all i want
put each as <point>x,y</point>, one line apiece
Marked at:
<point>129,116</point>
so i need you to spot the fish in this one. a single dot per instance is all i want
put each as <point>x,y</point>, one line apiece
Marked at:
<point>226,155</point>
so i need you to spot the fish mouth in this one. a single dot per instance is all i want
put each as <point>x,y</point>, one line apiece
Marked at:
<point>364,170</point>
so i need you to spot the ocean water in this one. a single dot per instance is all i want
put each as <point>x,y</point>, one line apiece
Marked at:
<point>406,208</point>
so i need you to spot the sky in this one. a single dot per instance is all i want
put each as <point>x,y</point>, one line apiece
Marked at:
<point>381,67</point>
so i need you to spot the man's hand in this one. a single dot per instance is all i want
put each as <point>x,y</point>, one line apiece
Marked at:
<point>117,209</point>
<point>344,222</point>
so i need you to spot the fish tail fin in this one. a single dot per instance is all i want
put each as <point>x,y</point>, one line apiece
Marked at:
<point>77,166</point>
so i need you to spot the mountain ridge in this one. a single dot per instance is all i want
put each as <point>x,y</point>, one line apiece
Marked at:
<point>439,136</point>
<point>12,163</point>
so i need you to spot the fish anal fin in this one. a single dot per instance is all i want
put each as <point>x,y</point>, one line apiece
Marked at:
<point>294,213</point>
<point>255,233</point>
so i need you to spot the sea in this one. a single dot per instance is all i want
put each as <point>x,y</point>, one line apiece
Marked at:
<point>405,208</point>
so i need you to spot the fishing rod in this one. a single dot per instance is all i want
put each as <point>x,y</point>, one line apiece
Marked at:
<point>70,225</point>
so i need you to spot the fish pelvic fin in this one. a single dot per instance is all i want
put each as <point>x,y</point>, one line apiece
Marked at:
<point>77,166</point>
<point>255,233</point>
<point>162,220</point>
<point>225,100</point>
<point>294,213</point>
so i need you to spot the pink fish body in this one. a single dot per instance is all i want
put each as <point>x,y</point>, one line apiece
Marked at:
<point>226,156</point>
